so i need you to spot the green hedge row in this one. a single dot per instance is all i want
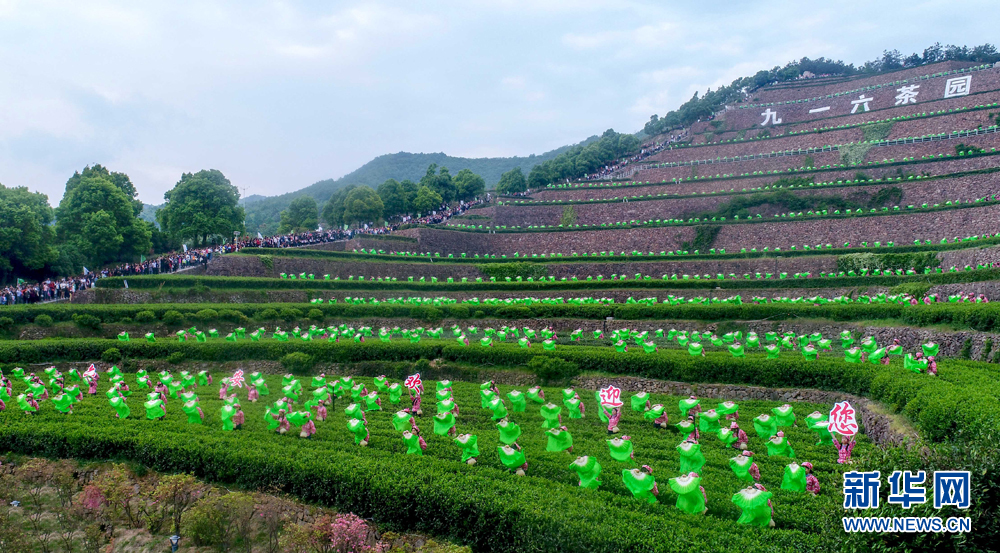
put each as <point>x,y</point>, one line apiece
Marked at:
<point>636,257</point>
<point>842,183</point>
<point>654,283</point>
<point>982,317</point>
<point>962,403</point>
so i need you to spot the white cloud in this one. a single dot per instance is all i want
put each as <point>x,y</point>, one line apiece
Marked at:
<point>279,94</point>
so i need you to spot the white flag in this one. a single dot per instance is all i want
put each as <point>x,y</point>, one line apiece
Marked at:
<point>185,247</point>
<point>126,284</point>
<point>85,271</point>
<point>259,235</point>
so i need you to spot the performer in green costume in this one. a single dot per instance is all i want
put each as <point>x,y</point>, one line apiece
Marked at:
<point>589,471</point>
<point>691,496</point>
<point>470,449</point>
<point>755,504</point>
<point>691,456</point>
<point>513,459</point>
<point>794,479</point>
<point>641,483</point>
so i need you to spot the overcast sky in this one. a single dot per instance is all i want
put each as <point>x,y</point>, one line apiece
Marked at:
<point>278,95</point>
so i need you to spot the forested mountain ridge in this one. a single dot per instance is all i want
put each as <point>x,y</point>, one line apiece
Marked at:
<point>263,214</point>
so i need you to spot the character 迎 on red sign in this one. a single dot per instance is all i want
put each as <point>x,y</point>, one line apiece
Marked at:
<point>237,379</point>
<point>413,382</point>
<point>842,419</point>
<point>611,397</point>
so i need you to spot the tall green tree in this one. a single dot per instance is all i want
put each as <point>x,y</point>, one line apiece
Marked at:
<point>468,185</point>
<point>394,198</point>
<point>302,215</point>
<point>363,205</point>
<point>333,209</point>
<point>427,201</point>
<point>27,239</point>
<point>440,181</point>
<point>202,208</point>
<point>512,181</point>
<point>120,180</point>
<point>98,220</point>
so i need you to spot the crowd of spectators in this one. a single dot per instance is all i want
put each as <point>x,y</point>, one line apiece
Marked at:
<point>335,235</point>
<point>612,170</point>
<point>63,289</point>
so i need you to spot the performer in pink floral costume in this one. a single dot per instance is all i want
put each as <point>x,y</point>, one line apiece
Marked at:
<point>844,448</point>
<point>741,436</point>
<point>812,483</point>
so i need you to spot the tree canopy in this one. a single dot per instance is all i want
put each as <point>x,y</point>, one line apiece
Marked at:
<point>440,181</point>
<point>581,160</point>
<point>427,201</point>
<point>98,219</point>
<point>363,205</point>
<point>202,208</point>
<point>302,215</point>
<point>27,239</point>
<point>512,182</point>
<point>468,185</point>
<point>333,209</point>
<point>120,180</point>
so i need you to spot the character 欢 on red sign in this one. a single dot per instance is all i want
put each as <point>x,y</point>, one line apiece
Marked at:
<point>843,420</point>
<point>611,397</point>
<point>413,382</point>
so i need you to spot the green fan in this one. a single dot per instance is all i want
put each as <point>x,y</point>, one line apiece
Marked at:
<point>654,412</point>
<point>620,449</point>
<point>499,410</point>
<point>709,421</point>
<point>550,415</point>
<point>443,423</point>
<point>639,401</point>
<point>358,428</point>
<point>689,497</point>
<point>687,404</point>
<point>63,403</point>
<point>518,403</point>
<point>534,394</point>
<point>753,504</point>
<point>784,416</point>
<point>765,425</point>
<point>589,471</point>
<point>640,483</point>
<point>227,412</point>
<point>509,432</point>
<point>794,479</point>
<point>726,436</point>
<point>372,402</point>
<point>154,409</point>
<point>354,411</point>
<point>401,420</point>
<point>741,467</point>
<point>468,443</point>
<point>558,440</point>
<point>691,457</point>
<point>779,446</point>
<point>410,440</point>
<point>190,409</point>
<point>510,457</point>
<point>120,407</point>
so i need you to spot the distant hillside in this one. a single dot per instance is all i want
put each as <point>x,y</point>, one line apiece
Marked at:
<point>149,212</point>
<point>263,213</point>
